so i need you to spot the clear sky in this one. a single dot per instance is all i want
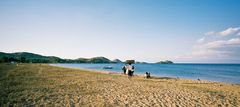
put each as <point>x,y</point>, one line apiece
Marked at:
<point>146,30</point>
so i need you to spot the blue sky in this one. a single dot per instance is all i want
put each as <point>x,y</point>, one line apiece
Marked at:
<point>146,30</point>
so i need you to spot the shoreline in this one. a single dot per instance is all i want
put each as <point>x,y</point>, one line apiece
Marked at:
<point>143,75</point>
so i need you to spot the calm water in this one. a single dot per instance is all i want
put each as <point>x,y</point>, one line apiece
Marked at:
<point>214,72</point>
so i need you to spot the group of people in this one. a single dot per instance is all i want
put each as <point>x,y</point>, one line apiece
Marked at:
<point>128,69</point>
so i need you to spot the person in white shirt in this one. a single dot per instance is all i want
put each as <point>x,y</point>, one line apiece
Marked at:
<point>129,69</point>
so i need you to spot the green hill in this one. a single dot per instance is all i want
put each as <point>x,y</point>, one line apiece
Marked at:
<point>99,60</point>
<point>26,57</point>
<point>117,61</point>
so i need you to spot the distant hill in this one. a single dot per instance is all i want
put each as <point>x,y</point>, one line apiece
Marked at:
<point>26,57</point>
<point>165,62</point>
<point>99,60</point>
<point>117,61</point>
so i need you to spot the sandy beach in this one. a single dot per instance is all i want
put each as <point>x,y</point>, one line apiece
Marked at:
<point>44,85</point>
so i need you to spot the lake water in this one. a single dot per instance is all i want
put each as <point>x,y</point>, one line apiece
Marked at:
<point>229,73</point>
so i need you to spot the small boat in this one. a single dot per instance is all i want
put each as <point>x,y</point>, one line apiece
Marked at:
<point>107,67</point>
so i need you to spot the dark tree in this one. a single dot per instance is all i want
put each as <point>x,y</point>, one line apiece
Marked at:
<point>12,59</point>
<point>5,59</point>
<point>23,59</point>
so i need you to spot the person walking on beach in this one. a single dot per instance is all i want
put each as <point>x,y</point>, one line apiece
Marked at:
<point>130,69</point>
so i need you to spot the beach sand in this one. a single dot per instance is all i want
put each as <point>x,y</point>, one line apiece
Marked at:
<point>44,85</point>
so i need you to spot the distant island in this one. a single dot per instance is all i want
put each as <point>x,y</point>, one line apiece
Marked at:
<point>165,62</point>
